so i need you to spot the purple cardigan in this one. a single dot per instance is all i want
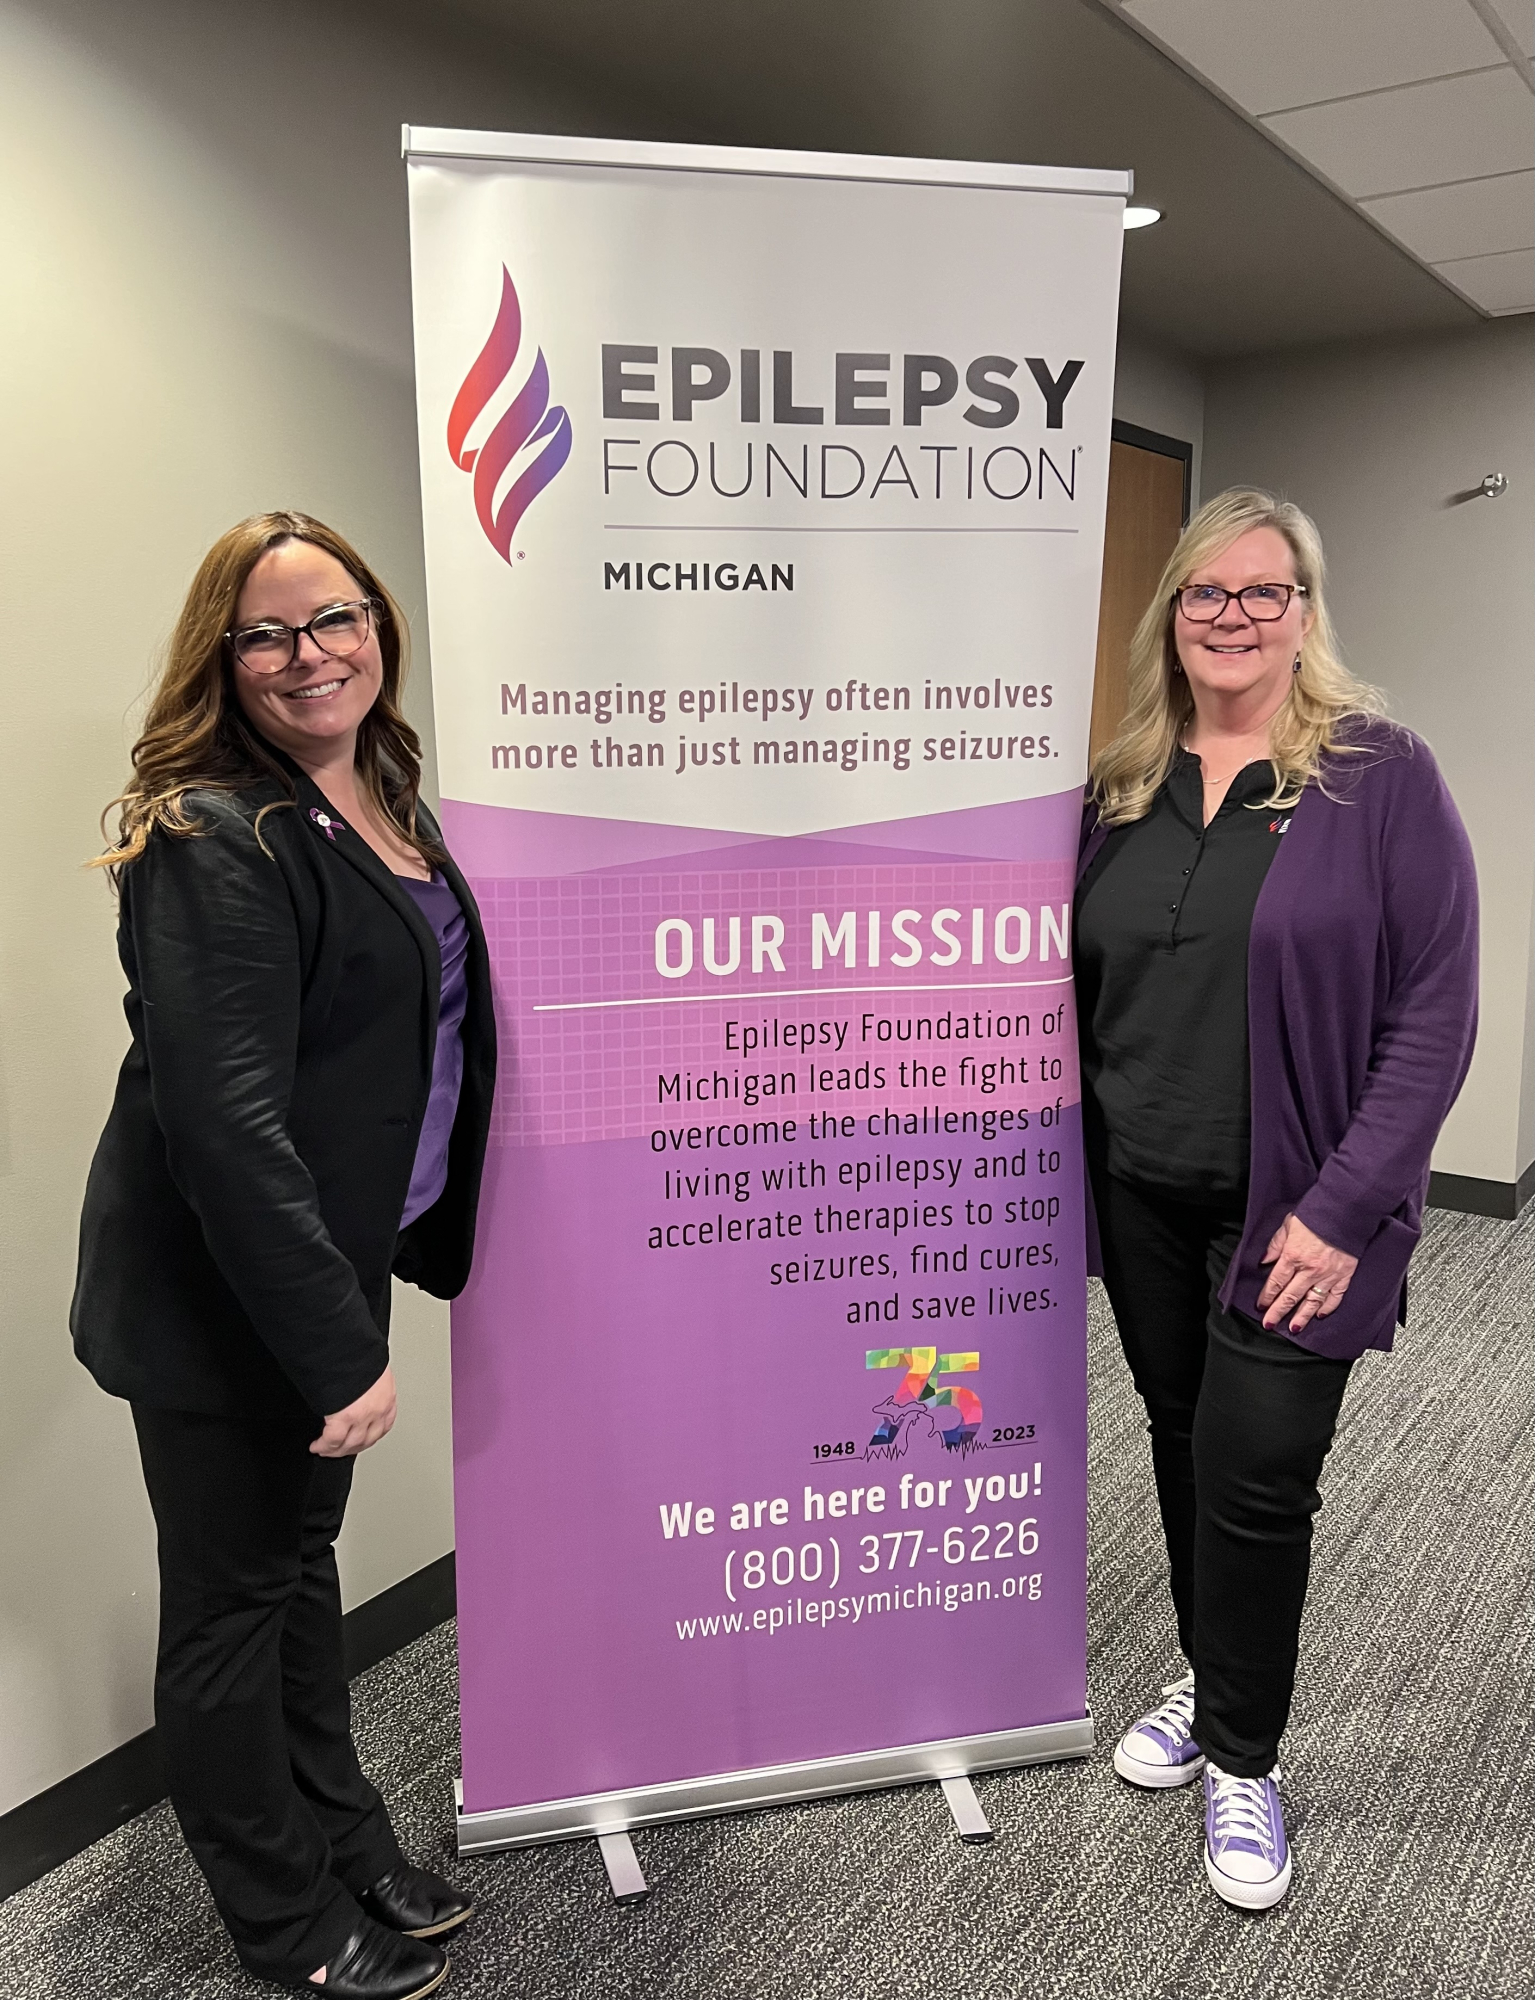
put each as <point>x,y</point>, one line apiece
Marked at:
<point>1361,1015</point>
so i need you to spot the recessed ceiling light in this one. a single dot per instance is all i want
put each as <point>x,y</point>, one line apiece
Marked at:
<point>1142,218</point>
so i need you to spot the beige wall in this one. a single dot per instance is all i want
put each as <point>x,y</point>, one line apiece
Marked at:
<point>1161,390</point>
<point>205,311</point>
<point>1434,603</point>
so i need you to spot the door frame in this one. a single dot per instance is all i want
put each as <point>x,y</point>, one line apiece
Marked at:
<point>1164,447</point>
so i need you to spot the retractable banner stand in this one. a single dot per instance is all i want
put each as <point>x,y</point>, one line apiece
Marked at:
<point>764,500</point>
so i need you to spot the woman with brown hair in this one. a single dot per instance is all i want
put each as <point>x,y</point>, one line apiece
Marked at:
<point>302,1112</point>
<point>1276,988</point>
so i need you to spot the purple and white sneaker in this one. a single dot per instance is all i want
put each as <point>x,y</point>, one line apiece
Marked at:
<point>1247,1856</point>
<point>1159,1750</point>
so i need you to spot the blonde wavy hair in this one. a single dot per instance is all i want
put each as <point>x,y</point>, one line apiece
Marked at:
<point>196,736</point>
<point>1128,771</point>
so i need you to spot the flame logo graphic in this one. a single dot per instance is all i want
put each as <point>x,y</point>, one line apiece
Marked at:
<point>528,418</point>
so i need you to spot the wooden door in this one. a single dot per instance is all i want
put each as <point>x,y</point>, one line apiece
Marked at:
<point>1145,519</point>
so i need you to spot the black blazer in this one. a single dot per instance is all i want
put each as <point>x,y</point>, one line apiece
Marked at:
<point>242,1214</point>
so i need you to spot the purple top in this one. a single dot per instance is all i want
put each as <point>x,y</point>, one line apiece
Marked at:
<point>1361,1015</point>
<point>440,906</point>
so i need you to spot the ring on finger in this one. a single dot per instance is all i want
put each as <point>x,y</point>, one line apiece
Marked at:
<point>1317,1292</point>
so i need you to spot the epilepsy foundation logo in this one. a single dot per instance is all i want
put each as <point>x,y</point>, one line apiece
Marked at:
<point>528,420</point>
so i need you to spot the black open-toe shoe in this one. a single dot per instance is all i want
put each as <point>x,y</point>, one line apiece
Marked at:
<point>416,1902</point>
<point>379,1964</point>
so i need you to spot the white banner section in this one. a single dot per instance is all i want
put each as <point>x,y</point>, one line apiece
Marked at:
<point>790,431</point>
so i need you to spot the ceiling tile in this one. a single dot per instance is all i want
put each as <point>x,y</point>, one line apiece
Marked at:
<point>1502,284</point>
<point>1071,81</point>
<point>1451,130</point>
<point>1272,54</point>
<point>1519,18</point>
<point>1470,219</point>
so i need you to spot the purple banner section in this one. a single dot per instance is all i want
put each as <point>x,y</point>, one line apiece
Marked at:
<point>498,840</point>
<point>769,1387</point>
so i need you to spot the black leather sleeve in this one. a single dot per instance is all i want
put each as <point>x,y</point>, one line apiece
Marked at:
<point>215,937</point>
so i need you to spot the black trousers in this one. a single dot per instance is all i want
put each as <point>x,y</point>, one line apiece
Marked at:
<point>251,1700</point>
<point>1241,1422</point>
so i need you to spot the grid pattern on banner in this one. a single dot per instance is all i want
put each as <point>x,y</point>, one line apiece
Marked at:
<point>589,1071</point>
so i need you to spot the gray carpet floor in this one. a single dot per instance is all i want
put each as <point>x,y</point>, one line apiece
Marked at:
<point>1408,1770</point>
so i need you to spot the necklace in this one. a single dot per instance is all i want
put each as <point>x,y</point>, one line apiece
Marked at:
<point>1222,782</point>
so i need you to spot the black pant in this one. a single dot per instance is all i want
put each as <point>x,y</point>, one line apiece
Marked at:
<point>1241,1421</point>
<point>251,1700</point>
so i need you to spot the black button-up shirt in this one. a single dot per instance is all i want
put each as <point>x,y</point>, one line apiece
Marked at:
<point>1161,956</point>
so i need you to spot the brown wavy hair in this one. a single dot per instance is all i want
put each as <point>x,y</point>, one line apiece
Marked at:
<point>196,736</point>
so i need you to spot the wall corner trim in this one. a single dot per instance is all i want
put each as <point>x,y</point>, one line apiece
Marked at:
<point>44,1831</point>
<point>1469,1196</point>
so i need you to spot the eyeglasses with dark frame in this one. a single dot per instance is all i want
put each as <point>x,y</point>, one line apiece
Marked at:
<point>1203,603</point>
<point>339,630</point>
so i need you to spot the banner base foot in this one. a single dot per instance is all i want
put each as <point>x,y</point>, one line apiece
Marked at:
<point>970,1822</point>
<point>604,1813</point>
<point>626,1878</point>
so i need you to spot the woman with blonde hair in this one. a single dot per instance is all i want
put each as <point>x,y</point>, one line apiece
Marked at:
<point>1276,983</point>
<point>302,1112</point>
